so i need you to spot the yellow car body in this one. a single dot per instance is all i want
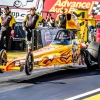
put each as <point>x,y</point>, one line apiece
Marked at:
<point>53,55</point>
<point>63,51</point>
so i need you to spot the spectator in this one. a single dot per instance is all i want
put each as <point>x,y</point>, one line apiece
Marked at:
<point>61,19</point>
<point>50,20</point>
<point>7,23</point>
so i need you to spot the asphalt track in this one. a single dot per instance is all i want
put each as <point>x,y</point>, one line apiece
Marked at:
<point>62,84</point>
<point>50,84</point>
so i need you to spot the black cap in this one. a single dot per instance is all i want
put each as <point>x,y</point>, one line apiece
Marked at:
<point>6,8</point>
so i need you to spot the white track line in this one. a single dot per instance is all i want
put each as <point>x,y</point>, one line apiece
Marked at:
<point>84,94</point>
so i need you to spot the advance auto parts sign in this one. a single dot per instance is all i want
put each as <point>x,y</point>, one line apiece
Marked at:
<point>56,5</point>
<point>69,5</point>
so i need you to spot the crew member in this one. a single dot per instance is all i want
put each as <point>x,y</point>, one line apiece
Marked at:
<point>7,23</point>
<point>61,19</point>
<point>91,27</point>
<point>91,22</point>
<point>50,20</point>
<point>31,22</point>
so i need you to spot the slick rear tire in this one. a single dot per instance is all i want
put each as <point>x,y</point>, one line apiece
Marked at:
<point>3,59</point>
<point>89,67</point>
<point>99,58</point>
<point>29,63</point>
<point>93,49</point>
<point>85,58</point>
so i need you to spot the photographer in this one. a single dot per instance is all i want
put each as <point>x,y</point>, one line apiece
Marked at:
<point>50,20</point>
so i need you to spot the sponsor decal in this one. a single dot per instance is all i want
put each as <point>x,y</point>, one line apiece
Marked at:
<point>69,5</point>
<point>56,5</point>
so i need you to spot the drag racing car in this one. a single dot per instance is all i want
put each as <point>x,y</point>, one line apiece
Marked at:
<point>65,50</point>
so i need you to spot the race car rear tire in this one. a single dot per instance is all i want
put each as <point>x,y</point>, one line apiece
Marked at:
<point>81,59</point>
<point>93,49</point>
<point>99,59</point>
<point>3,59</point>
<point>29,63</point>
<point>86,55</point>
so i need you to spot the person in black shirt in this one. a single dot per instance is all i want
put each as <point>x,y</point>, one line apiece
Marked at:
<point>7,23</point>
<point>61,19</point>
<point>31,21</point>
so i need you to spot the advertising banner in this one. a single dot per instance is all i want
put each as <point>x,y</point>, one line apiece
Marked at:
<point>20,8</point>
<point>55,6</point>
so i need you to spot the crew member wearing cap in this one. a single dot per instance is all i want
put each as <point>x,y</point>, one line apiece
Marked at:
<point>61,19</point>
<point>31,21</point>
<point>7,22</point>
<point>91,27</point>
<point>91,22</point>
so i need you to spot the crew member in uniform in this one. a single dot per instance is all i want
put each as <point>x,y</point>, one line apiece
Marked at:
<point>91,22</point>
<point>91,27</point>
<point>31,22</point>
<point>7,23</point>
<point>61,19</point>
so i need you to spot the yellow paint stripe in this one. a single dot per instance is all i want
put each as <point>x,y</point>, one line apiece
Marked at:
<point>95,97</point>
